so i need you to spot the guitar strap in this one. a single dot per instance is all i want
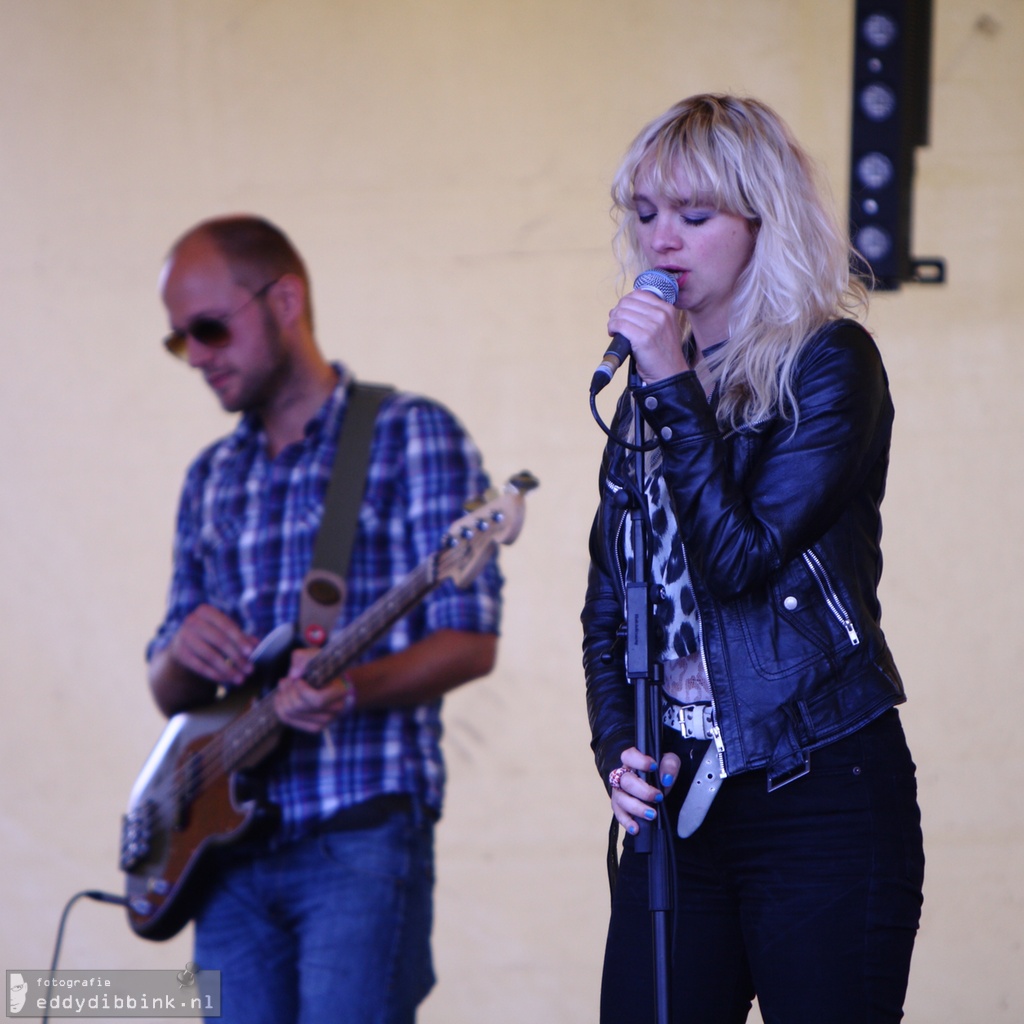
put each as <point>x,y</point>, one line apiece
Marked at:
<point>323,589</point>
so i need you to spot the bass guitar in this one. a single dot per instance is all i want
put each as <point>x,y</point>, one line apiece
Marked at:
<point>188,799</point>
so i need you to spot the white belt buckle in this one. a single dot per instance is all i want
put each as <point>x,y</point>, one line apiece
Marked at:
<point>693,721</point>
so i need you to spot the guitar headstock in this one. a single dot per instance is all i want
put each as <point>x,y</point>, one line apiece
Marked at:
<point>492,519</point>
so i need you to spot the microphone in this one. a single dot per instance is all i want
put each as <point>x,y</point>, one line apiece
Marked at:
<point>659,283</point>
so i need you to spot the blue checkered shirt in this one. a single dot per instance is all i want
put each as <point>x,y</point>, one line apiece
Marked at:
<point>245,533</point>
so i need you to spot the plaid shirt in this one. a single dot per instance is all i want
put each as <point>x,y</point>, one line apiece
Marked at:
<point>245,534</point>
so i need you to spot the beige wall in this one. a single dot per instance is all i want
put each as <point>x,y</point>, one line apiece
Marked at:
<point>444,166</point>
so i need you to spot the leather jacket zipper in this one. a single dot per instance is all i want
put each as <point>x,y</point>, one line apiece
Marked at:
<point>617,543</point>
<point>832,599</point>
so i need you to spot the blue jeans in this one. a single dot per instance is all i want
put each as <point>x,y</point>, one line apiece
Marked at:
<point>334,927</point>
<point>808,897</point>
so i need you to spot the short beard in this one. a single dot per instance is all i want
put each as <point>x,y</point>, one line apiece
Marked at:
<point>259,394</point>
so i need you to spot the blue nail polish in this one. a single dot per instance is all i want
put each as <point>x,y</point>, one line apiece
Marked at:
<point>653,767</point>
<point>667,780</point>
<point>631,829</point>
<point>658,797</point>
<point>650,815</point>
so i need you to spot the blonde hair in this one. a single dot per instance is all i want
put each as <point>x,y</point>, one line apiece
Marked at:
<point>740,155</point>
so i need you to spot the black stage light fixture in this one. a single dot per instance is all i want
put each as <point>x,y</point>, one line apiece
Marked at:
<point>891,72</point>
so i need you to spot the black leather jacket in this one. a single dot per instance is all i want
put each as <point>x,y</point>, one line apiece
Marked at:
<point>781,529</point>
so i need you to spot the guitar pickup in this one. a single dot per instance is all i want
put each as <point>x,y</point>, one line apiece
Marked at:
<point>190,784</point>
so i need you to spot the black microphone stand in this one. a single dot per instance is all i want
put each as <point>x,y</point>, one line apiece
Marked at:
<point>653,838</point>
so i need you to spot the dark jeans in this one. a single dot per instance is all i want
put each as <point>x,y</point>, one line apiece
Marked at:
<point>808,897</point>
<point>335,927</point>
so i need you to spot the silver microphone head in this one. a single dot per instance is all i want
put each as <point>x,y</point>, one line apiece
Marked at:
<point>661,284</point>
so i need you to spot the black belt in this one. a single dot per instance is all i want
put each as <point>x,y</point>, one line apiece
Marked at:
<point>369,814</point>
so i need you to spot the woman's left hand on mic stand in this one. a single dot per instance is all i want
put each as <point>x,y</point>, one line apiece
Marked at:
<point>632,797</point>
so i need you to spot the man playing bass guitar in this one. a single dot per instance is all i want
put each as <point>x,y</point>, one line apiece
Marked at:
<point>327,915</point>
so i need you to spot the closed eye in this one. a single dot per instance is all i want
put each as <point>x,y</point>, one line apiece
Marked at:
<point>693,219</point>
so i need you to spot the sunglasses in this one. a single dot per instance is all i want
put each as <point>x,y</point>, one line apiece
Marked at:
<point>211,331</point>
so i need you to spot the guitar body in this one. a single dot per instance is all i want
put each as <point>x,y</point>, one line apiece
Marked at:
<point>169,829</point>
